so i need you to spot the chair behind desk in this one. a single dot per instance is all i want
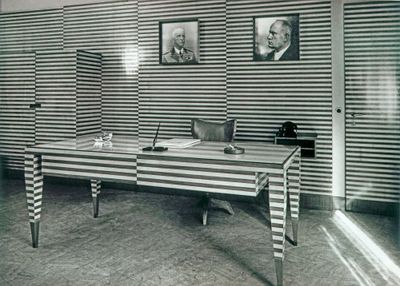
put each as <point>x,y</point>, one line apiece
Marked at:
<point>213,131</point>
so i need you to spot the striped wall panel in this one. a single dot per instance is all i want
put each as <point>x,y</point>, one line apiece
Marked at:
<point>88,93</point>
<point>112,30</point>
<point>172,94</point>
<point>56,92</point>
<point>120,92</point>
<point>262,95</point>
<point>31,31</point>
<point>68,87</point>
<point>17,91</point>
<point>372,57</point>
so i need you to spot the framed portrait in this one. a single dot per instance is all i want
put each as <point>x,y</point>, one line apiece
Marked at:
<point>179,42</point>
<point>276,38</point>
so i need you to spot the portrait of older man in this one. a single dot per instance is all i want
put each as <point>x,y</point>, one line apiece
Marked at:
<point>279,42</point>
<point>176,51</point>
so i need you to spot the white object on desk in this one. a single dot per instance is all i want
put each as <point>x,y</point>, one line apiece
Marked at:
<point>179,142</point>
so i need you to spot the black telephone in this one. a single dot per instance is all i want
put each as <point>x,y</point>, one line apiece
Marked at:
<point>288,129</point>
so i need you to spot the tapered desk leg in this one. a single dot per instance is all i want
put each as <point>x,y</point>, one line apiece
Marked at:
<point>277,206</point>
<point>95,186</point>
<point>34,189</point>
<point>294,194</point>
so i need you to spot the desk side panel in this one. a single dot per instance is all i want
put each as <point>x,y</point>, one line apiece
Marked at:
<point>105,168</point>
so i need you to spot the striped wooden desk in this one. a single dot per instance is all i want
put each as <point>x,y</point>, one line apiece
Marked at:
<point>203,167</point>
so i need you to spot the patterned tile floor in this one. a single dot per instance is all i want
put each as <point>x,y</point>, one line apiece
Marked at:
<point>157,239</point>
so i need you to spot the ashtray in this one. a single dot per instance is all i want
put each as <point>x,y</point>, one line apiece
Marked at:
<point>231,149</point>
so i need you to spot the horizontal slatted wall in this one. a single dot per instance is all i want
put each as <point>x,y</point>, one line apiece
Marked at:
<point>88,93</point>
<point>19,32</point>
<point>372,84</point>
<point>56,92</point>
<point>31,31</point>
<point>172,94</point>
<point>17,91</point>
<point>112,30</point>
<point>262,95</point>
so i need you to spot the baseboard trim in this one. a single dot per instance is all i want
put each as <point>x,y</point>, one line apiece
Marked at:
<point>371,207</point>
<point>321,202</point>
<point>13,174</point>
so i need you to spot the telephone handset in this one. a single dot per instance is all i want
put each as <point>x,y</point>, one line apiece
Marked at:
<point>288,129</point>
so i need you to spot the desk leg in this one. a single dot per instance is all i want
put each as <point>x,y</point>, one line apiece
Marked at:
<point>34,189</point>
<point>294,195</point>
<point>277,206</point>
<point>96,186</point>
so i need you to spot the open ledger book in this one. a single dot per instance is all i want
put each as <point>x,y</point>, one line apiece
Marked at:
<point>178,142</point>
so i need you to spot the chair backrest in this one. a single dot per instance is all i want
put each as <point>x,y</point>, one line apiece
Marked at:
<point>213,131</point>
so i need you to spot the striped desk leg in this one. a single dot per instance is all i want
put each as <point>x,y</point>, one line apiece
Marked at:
<point>34,188</point>
<point>95,186</point>
<point>277,206</point>
<point>294,194</point>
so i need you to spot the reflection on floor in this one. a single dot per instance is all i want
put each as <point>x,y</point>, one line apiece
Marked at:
<point>155,239</point>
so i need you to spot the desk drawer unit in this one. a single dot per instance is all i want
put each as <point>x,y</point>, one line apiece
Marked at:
<point>94,166</point>
<point>198,175</point>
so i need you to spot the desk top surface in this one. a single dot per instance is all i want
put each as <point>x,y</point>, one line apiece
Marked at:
<point>257,152</point>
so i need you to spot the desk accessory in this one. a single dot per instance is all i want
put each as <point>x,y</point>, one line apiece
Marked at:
<point>154,147</point>
<point>103,137</point>
<point>102,141</point>
<point>288,129</point>
<point>98,139</point>
<point>180,142</point>
<point>232,149</point>
<point>107,136</point>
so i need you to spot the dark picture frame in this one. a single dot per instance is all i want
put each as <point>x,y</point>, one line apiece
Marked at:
<point>271,35</point>
<point>170,42</point>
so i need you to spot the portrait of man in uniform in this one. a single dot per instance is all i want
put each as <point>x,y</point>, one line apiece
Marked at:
<point>179,42</point>
<point>276,38</point>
